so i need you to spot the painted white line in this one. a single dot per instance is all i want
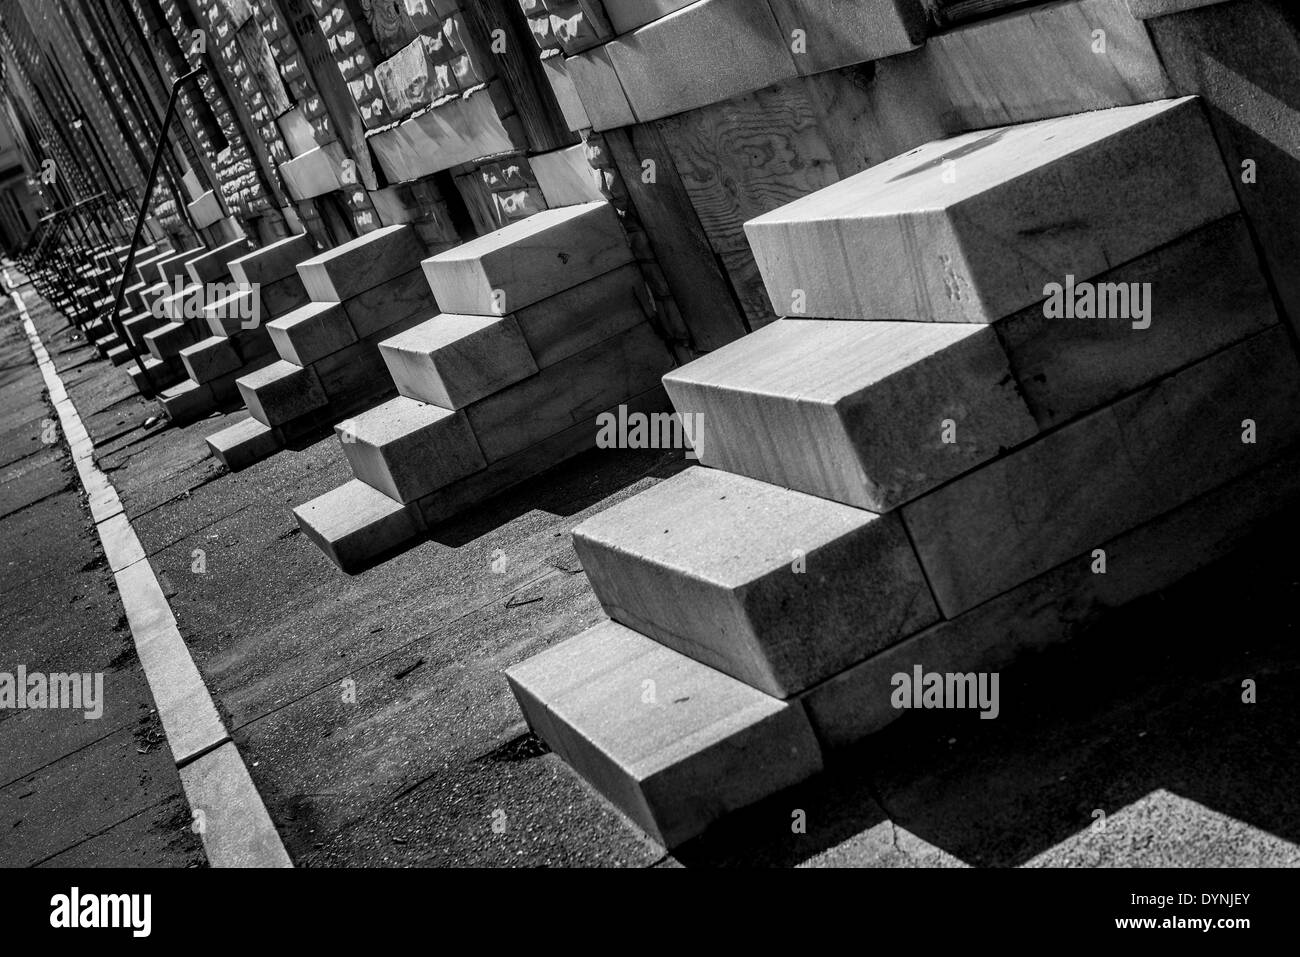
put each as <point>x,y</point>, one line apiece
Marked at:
<point>229,814</point>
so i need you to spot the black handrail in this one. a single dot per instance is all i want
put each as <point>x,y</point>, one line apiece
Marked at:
<point>114,317</point>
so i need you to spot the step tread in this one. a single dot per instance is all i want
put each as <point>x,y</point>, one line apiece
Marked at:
<point>774,587</point>
<point>704,745</point>
<point>854,411</point>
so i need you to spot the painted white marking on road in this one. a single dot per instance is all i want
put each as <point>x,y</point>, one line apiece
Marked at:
<point>236,829</point>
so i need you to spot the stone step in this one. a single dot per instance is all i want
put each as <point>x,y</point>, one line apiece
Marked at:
<point>1201,293</point>
<point>672,743</point>
<point>214,265</point>
<point>137,326</point>
<point>311,332</point>
<point>776,588</point>
<point>1107,472</point>
<point>281,392</point>
<point>162,374</point>
<point>281,297</point>
<point>528,463</point>
<point>563,325</point>
<point>407,449</point>
<point>397,302</point>
<point>453,360</point>
<point>529,260</point>
<point>587,383</point>
<point>211,358</point>
<point>1060,604</point>
<point>188,401</point>
<point>368,261</point>
<point>241,309</point>
<point>870,414</point>
<point>273,263</point>
<point>181,305</point>
<point>972,228</point>
<point>133,298</point>
<point>355,524</point>
<point>167,269</point>
<point>119,354</point>
<point>245,443</point>
<point>152,294</point>
<point>168,341</point>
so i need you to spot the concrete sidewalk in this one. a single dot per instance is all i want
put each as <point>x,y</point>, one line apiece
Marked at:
<point>73,791</point>
<point>375,720</point>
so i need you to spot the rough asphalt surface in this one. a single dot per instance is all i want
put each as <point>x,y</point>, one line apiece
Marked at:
<point>375,720</point>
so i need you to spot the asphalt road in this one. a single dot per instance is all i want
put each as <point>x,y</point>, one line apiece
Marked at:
<point>375,720</point>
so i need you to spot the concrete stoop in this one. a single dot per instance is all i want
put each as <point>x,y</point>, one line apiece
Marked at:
<point>322,360</point>
<point>930,467</point>
<point>541,330</point>
<point>217,340</point>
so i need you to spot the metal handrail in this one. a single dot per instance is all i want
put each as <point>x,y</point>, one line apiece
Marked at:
<point>114,317</point>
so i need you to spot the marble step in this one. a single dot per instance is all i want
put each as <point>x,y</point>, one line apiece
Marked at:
<point>972,228</point>
<point>672,743</point>
<point>776,588</point>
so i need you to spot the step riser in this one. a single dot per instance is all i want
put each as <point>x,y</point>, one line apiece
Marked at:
<point>1060,604</point>
<point>1027,512</point>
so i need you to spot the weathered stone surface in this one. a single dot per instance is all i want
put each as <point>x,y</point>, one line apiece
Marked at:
<point>597,85</point>
<point>166,268</point>
<point>407,449</point>
<point>243,444</point>
<point>175,303</point>
<point>1108,472</point>
<point>1243,60</point>
<point>229,314</point>
<point>566,93</point>
<point>214,265</point>
<point>1206,291</point>
<point>569,392</point>
<point>282,297</point>
<point>187,401</point>
<point>211,358</point>
<point>776,588</point>
<point>705,53</point>
<point>1061,603</point>
<point>564,324</point>
<point>701,745</point>
<point>281,392</point>
<point>1028,64</point>
<point>167,341</point>
<point>971,229</point>
<point>1146,9</point>
<point>162,373</point>
<point>837,33</point>
<point>453,360</point>
<point>206,210</point>
<point>354,524</point>
<point>566,178</point>
<point>272,263</point>
<point>395,302</point>
<point>526,261</point>
<point>523,466</point>
<point>627,15</point>
<point>311,332</point>
<point>871,414</point>
<point>354,377</point>
<point>364,263</point>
